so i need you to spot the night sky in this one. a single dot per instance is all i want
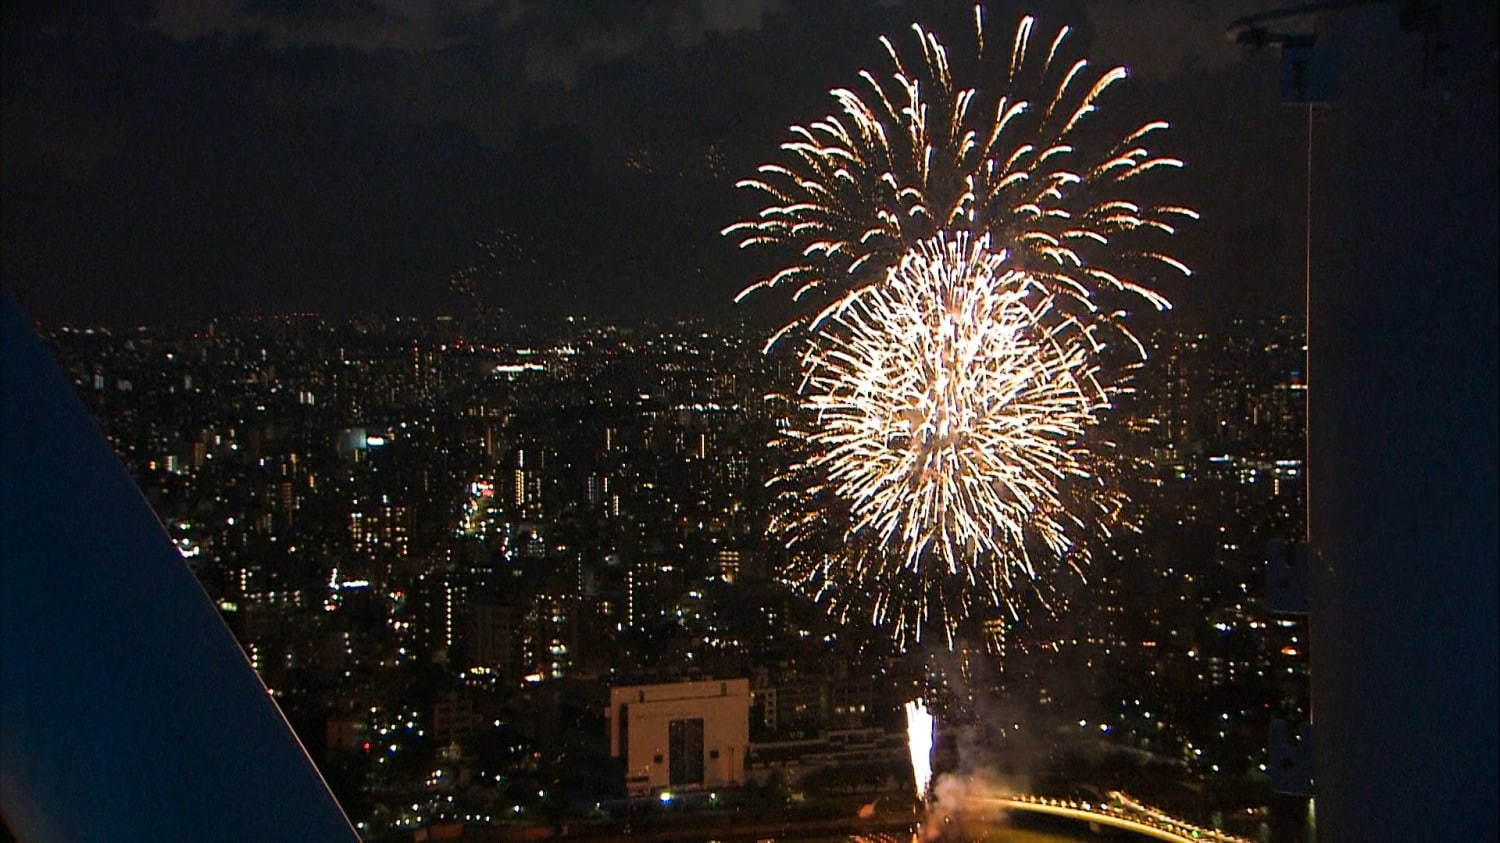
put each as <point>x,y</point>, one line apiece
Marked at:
<point>174,162</point>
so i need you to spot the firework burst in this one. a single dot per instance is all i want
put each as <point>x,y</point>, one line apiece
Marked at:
<point>906,157</point>
<point>947,420</point>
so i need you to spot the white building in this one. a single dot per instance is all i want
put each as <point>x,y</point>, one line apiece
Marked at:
<point>683,736</point>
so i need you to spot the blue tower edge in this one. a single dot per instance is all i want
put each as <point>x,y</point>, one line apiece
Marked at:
<point>127,709</point>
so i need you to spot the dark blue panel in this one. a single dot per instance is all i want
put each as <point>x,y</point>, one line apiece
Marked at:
<point>127,709</point>
<point>1402,377</point>
<point>1286,578</point>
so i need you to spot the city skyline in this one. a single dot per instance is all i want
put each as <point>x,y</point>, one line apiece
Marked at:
<point>441,527</point>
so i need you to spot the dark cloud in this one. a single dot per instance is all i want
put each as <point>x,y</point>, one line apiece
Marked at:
<point>560,40</point>
<point>411,25</point>
<point>564,40</point>
<point>1170,38</point>
<point>319,10</point>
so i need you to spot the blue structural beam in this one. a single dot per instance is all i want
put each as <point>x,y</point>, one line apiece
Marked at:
<point>1402,376</point>
<point>127,709</point>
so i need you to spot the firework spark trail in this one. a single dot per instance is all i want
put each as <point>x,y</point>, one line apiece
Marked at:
<point>904,159</point>
<point>948,414</point>
<point>919,732</point>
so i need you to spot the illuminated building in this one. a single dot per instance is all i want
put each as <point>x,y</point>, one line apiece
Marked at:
<point>492,640</point>
<point>549,638</point>
<point>686,735</point>
<point>729,565</point>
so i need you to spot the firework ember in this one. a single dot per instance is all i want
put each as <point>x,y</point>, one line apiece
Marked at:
<point>948,414</point>
<point>914,154</point>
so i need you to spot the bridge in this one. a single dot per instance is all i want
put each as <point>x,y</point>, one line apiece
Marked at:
<point>1121,811</point>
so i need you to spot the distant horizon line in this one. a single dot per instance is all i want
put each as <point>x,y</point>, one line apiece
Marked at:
<point>743,321</point>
